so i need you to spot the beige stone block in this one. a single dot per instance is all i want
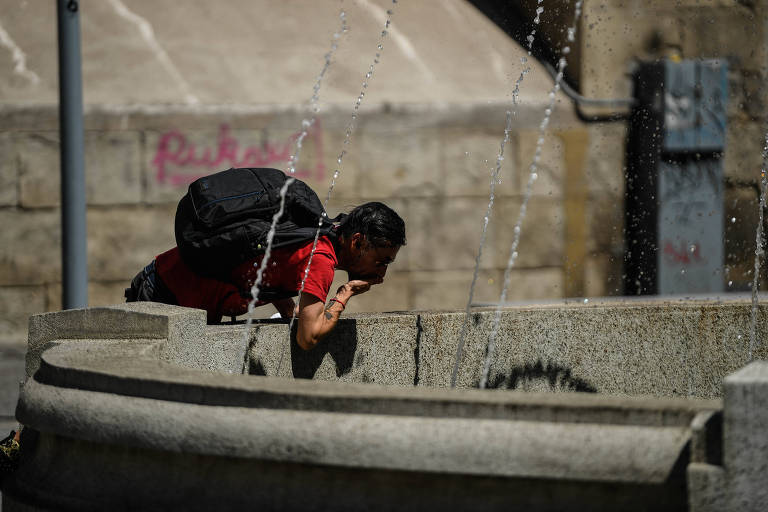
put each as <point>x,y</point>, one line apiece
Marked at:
<point>100,293</point>
<point>605,223</point>
<point>725,32</point>
<point>39,169</point>
<point>469,158</point>
<point>743,157</point>
<point>9,174</point>
<point>17,304</point>
<point>604,60</point>
<point>741,218</point>
<point>551,164</point>
<point>113,167</point>
<point>400,157</point>
<point>105,293</point>
<point>602,275</point>
<point>444,233</point>
<point>53,296</point>
<point>541,238</point>
<point>449,290</point>
<point>30,247</point>
<point>122,240</point>
<point>604,170</point>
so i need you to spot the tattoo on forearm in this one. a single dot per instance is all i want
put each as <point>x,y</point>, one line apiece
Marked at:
<point>328,315</point>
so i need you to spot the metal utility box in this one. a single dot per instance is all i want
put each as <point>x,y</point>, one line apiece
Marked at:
<point>674,178</point>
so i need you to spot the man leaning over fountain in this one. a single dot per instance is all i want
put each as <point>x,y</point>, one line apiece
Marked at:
<point>364,243</point>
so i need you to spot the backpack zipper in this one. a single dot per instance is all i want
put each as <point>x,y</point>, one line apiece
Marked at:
<point>209,203</point>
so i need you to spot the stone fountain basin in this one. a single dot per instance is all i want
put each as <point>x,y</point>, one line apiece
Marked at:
<point>139,405</point>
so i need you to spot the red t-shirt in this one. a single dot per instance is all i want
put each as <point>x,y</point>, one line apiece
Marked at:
<point>284,273</point>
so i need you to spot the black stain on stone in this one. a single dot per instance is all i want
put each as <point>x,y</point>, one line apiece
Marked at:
<point>556,376</point>
<point>416,355</point>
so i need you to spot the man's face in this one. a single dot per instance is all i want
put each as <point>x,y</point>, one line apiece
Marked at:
<point>370,263</point>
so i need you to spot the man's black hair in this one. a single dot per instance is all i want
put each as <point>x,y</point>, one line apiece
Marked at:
<point>377,222</point>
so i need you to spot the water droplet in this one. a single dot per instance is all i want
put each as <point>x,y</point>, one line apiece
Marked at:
<point>733,219</point>
<point>738,337</point>
<point>466,153</point>
<point>514,256</point>
<point>380,47</point>
<point>383,33</point>
<point>730,283</point>
<point>692,248</point>
<point>390,12</point>
<point>586,301</point>
<point>534,176</point>
<point>682,271</point>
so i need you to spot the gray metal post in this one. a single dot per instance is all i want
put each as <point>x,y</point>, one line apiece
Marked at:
<point>74,261</point>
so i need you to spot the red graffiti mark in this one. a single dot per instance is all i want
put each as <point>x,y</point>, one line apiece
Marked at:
<point>684,254</point>
<point>175,151</point>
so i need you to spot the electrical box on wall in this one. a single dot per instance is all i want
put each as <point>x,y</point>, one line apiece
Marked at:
<point>674,178</point>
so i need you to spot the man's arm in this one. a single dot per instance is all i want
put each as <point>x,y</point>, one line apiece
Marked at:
<point>316,320</point>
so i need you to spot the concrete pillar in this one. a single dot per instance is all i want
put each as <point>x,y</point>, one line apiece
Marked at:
<point>745,437</point>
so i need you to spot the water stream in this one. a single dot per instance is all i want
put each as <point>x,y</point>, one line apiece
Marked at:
<point>532,176</point>
<point>759,251</point>
<point>305,125</point>
<point>495,179</point>
<point>350,128</point>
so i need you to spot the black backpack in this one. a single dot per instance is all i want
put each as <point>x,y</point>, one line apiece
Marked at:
<point>223,220</point>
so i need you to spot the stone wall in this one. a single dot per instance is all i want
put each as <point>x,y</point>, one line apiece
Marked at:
<point>615,34</point>
<point>153,393</point>
<point>431,164</point>
<point>430,161</point>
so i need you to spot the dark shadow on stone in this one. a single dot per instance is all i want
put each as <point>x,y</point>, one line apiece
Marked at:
<point>256,368</point>
<point>341,344</point>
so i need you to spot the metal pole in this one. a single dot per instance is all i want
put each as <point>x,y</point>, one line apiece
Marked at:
<point>74,263</point>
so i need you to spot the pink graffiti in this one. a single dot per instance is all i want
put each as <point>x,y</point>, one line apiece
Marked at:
<point>175,151</point>
<point>683,254</point>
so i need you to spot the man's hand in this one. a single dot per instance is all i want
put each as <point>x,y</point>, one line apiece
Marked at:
<point>356,287</point>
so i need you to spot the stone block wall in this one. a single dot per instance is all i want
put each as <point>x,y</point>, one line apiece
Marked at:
<point>615,34</point>
<point>431,164</point>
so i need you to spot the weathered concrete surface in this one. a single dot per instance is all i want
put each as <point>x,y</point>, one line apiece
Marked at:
<point>93,401</point>
<point>132,401</point>
<point>746,437</point>
<point>165,61</point>
<point>655,347</point>
<point>181,330</point>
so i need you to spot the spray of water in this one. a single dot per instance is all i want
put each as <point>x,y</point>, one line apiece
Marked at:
<point>532,176</point>
<point>305,125</point>
<point>495,179</point>
<point>340,160</point>
<point>759,251</point>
